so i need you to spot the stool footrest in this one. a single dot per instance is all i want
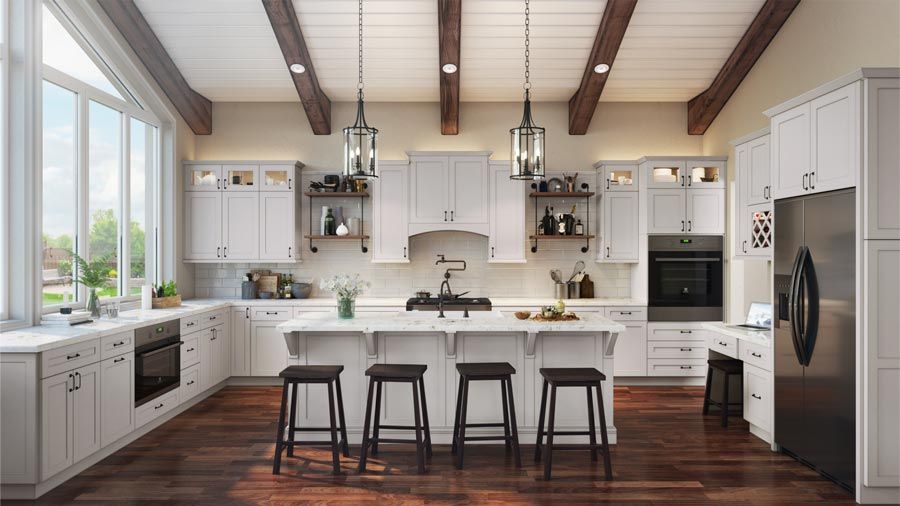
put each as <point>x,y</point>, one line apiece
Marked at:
<point>309,443</point>
<point>397,427</point>
<point>392,440</point>
<point>570,433</point>
<point>498,424</point>
<point>312,429</point>
<point>572,447</point>
<point>487,438</point>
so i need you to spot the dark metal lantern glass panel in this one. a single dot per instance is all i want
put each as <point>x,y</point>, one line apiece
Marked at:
<point>527,147</point>
<point>360,147</point>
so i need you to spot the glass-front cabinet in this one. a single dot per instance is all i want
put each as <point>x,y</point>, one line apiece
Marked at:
<point>756,230</point>
<point>620,177</point>
<point>200,178</point>
<point>240,177</point>
<point>704,174</point>
<point>276,177</point>
<point>665,173</point>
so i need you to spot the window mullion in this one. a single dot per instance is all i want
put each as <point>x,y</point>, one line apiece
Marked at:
<point>125,206</point>
<point>82,225</point>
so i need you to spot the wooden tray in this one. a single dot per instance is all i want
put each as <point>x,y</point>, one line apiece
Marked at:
<point>166,302</point>
<point>270,283</point>
<point>565,317</point>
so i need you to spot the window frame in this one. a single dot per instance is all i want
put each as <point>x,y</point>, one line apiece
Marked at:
<point>4,161</point>
<point>85,93</point>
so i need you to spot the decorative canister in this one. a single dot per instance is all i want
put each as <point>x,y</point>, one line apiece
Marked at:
<point>249,290</point>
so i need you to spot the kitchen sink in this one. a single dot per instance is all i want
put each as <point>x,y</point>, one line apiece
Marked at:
<point>452,315</point>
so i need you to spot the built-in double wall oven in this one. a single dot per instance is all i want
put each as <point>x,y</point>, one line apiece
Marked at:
<point>157,360</point>
<point>685,278</point>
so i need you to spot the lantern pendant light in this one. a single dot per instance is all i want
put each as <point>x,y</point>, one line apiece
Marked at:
<point>360,140</point>
<point>527,140</point>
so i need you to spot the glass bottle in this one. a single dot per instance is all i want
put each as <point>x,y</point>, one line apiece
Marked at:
<point>330,226</point>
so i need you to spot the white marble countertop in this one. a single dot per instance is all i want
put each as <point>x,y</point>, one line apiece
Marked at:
<point>483,321</point>
<point>760,337</point>
<point>41,338</point>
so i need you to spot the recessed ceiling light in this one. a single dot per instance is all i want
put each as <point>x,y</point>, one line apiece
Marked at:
<point>449,68</point>
<point>601,68</point>
<point>298,68</point>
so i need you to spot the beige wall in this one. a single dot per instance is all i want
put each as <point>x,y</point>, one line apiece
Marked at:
<point>822,40</point>
<point>281,131</point>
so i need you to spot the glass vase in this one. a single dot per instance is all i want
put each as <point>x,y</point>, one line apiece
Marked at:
<point>93,303</point>
<point>346,308</point>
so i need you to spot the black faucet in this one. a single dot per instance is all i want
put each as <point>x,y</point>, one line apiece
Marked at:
<point>446,283</point>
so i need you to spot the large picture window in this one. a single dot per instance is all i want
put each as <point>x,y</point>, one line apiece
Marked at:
<point>100,154</point>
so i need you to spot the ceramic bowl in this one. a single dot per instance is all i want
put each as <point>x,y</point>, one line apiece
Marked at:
<point>522,315</point>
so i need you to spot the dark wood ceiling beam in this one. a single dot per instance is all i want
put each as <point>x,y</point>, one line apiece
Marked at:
<point>450,23</point>
<point>293,47</point>
<point>193,107</point>
<point>606,45</point>
<point>704,108</point>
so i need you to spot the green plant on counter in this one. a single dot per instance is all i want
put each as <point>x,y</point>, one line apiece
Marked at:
<point>165,289</point>
<point>93,274</point>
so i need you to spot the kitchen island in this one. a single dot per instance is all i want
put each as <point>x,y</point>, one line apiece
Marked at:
<point>440,343</point>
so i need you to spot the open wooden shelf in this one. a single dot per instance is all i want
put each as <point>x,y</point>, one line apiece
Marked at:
<point>363,194</point>
<point>335,237</point>
<point>561,194</point>
<point>560,237</point>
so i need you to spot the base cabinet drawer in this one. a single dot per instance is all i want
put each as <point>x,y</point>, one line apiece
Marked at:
<point>676,367</point>
<point>676,331</point>
<point>69,357</point>
<point>190,350</point>
<point>757,397</point>
<point>116,344</point>
<point>723,344</point>
<point>190,383</point>
<point>155,408</point>
<point>626,313</point>
<point>270,314</point>
<point>676,349</point>
<point>754,354</point>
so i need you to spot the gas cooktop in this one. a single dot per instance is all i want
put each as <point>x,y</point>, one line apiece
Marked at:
<point>450,304</point>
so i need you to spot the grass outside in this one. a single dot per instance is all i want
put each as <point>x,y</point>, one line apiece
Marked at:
<point>51,298</point>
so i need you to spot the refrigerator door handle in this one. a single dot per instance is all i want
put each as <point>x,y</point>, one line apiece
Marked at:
<point>810,326</point>
<point>794,305</point>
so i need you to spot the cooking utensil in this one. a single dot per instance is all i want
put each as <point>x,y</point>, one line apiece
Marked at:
<point>422,294</point>
<point>556,275</point>
<point>579,267</point>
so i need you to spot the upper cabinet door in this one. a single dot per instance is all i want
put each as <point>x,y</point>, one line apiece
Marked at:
<point>620,235</point>
<point>620,178</point>
<point>276,226</point>
<point>202,178</point>
<point>507,217</point>
<point>240,178</point>
<point>468,189</point>
<point>390,223</point>
<point>276,178</point>
<point>705,209</point>
<point>757,175</point>
<point>665,211</point>
<point>664,174</point>
<point>429,190</point>
<point>240,233</point>
<point>704,174</point>
<point>790,146</point>
<point>835,139</point>
<point>203,226</point>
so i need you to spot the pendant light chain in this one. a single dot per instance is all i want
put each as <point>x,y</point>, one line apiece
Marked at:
<point>359,84</point>
<point>527,85</point>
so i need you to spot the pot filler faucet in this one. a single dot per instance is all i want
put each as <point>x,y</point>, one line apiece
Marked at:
<point>446,283</point>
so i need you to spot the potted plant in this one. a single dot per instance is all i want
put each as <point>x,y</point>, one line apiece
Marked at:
<point>346,289</point>
<point>93,275</point>
<point>165,295</point>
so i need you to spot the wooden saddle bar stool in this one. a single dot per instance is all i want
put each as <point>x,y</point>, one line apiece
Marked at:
<point>727,368</point>
<point>295,376</point>
<point>396,373</point>
<point>588,378</point>
<point>485,371</point>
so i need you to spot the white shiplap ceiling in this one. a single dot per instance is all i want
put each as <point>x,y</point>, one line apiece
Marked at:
<point>671,51</point>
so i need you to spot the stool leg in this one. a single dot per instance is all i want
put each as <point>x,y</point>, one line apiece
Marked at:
<point>279,438</point>
<point>506,441</point>
<point>461,445</point>
<point>345,445</point>
<point>335,450</point>
<point>292,419</point>
<point>425,417</point>
<point>513,425</point>
<point>420,451</point>
<point>591,427</point>
<point>725,402</point>
<point>459,396</point>
<point>548,451</point>
<point>540,427</point>
<point>706,394</point>
<point>377,421</point>
<point>364,451</point>
<point>607,459</point>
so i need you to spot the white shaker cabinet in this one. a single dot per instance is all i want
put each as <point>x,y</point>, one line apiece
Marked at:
<point>276,215</point>
<point>665,211</point>
<point>240,225</point>
<point>619,236</point>
<point>753,171</point>
<point>116,397</point>
<point>70,418</point>
<point>468,185</point>
<point>754,215</point>
<point>86,411</point>
<point>631,350</point>
<point>430,195</point>
<point>790,152</point>
<point>240,341</point>
<point>214,356</point>
<point>268,351</point>
<point>705,211</point>
<point>448,191</point>
<point>506,242</point>
<point>390,207</point>
<point>203,225</point>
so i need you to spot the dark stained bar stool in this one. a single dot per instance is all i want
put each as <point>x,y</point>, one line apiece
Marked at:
<point>587,377</point>
<point>485,371</point>
<point>297,375</point>
<point>727,368</point>
<point>397,373</point>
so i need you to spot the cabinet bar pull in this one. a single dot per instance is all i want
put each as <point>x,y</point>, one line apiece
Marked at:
<point>690,226</point>
<point>492,252</point>
<point>225,251</point>
<point>218,252</point>
<point>682,225</point>
<point>607,252</point>
<point>682,180</point>
<point>70,357</point>
<point>190,324</point>
<point>690,179</point>
<point>78,375</point>
<point>271,312</point>
<point>289,252</point>
<point>756,396</point>
<point>445,215</point>
<point>744,246</point>
<point>120,343</point>
<point>247,315</point>
<point>157,407</point>
<point>811,184</point>
<point>189,350</point>
<point>189,383</point>
<point>624,312</point>
<point>451,215</point>
<point>212,318</point>
<point>687,367</point>
<point>404,252</point>
<point>686,331</point>
<point>805,186</point>
<point>721,343</point>
<point>607,183</point>
<point>115,361</point>
<point>73,383</point>
<point>687,349</point>
<point>757,355</point>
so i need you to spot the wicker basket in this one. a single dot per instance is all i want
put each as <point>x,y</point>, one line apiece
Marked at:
<point>166,302</point>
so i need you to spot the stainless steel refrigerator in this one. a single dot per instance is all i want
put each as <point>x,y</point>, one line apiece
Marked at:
<point>815,331</point>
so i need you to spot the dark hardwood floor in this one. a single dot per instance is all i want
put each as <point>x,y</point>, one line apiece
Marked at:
<point>220,451</point>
